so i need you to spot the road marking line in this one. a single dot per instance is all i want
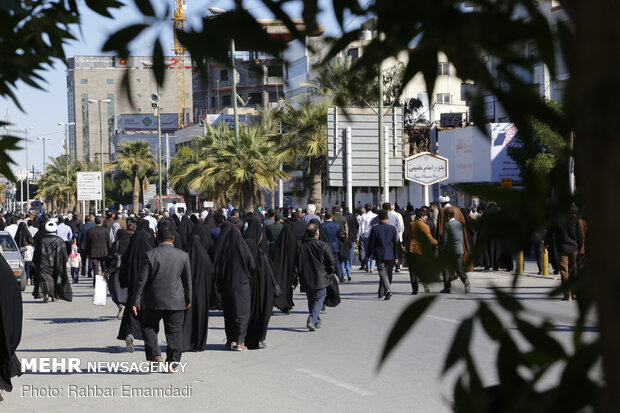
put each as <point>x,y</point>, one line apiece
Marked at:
<point>336,382</point>
<point>442,319</point>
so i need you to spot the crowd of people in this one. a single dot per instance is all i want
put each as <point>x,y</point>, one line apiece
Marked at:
<point>176,266</point>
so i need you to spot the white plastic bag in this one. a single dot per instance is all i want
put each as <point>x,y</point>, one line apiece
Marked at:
<point>101,290</point>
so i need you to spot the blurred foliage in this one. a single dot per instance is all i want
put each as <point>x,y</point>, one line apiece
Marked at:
<point>469,36</point>
<point>548,149</point>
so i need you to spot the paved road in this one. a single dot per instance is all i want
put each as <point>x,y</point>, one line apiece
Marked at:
<point>333,368</point>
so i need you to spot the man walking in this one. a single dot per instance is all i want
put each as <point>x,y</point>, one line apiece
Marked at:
<point>84,228</point>
<point>164,291</point>
<point>98,245</point>
<point>383,248</point>
<point>314,266</point>
<point>333,232</point>
<point>368,263</point>
<point>418,235</point>
<point>452,243</point>
<point>568,240</point>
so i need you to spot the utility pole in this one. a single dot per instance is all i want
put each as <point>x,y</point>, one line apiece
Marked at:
<point>234,87</point>
<point>159,148</point>
<point>27,167</point>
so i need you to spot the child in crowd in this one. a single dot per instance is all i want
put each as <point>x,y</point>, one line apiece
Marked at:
<point>75,261</point>
<point>28,254</point>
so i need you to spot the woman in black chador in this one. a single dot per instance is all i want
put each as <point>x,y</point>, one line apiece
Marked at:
<point>132,262</point>
<point>11,314</point>
<point>196,320</point>
<point>261,287</point>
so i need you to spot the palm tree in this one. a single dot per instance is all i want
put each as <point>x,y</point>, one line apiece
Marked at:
<point>133,158</point>
<point>303,142</point>
<point>220,165</point>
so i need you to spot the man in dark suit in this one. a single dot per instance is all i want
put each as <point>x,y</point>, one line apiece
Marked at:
<point>383,248</point>
<point>452,243</point>
<point>164,291</point>
<point>333,232</point>
<point>98,244</point>
<point>84,228</point>
<point>314,266</point>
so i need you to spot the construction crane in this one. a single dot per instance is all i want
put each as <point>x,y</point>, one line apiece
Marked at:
<point>179,24</point>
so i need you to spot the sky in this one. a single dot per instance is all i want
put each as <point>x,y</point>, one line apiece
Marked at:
<point>44,109</point>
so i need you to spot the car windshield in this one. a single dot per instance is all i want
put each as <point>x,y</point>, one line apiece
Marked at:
<point>7,243</point>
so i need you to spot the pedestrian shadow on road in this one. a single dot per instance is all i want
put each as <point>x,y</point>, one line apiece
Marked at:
<point>108,349</point>
<point>57,320</point>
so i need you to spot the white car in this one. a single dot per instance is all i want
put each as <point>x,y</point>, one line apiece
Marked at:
<point>13,257</point>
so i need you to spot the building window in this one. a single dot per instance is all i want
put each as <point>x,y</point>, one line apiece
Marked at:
<point>83,81</point>
<point>274,71</point>
<point>109,81</point>
<point>443,98</point>
<point>223,75</point>
<point>443,69</point>
<point>274,97</point>
<point>255,99</point>
<point>138,80</point>
<point>226,100</point>
<point>139,109</point>
<point>139,95</point>
<point>213,102</point>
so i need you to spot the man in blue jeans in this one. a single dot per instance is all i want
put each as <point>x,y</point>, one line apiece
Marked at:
<point>315,265</point>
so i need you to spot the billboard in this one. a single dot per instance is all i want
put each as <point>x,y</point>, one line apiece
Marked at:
<point>477,157</point>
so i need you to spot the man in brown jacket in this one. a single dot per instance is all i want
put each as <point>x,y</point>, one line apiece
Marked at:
<point>418,234</point>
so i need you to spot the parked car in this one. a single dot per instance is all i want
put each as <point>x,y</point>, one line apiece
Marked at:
<point>13,257</point>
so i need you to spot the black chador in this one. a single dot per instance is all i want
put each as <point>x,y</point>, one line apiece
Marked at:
<point>196,320</point>
<point>185,231</point>
<point>11,314</point>
<point>131,264</point>
<point>261,288</point>
<point>284,256</point>
<point>234,267</point>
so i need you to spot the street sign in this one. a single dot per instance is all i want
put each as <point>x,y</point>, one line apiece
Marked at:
<point>89,186</point>
<point>426,168</point>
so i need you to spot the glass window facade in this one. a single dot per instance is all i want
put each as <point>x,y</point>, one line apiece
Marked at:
<point>85,134</point>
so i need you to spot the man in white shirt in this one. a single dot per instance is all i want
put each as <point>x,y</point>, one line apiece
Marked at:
<point>31,228</point>
<point>63,230</point>
<point>12,228</point>
<point>396,220</point>
<point>151,220</point>
<point>366,225</point>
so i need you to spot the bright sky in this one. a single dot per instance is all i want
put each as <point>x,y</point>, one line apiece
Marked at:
<point>44,109</point>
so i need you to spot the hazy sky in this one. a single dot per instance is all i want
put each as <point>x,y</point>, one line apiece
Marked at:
<point>44,109</point>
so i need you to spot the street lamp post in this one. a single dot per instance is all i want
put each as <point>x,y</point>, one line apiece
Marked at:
<point>67,153</point>
<point>44,139</point>
<point>27,167</point>
<point>99,102</point>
